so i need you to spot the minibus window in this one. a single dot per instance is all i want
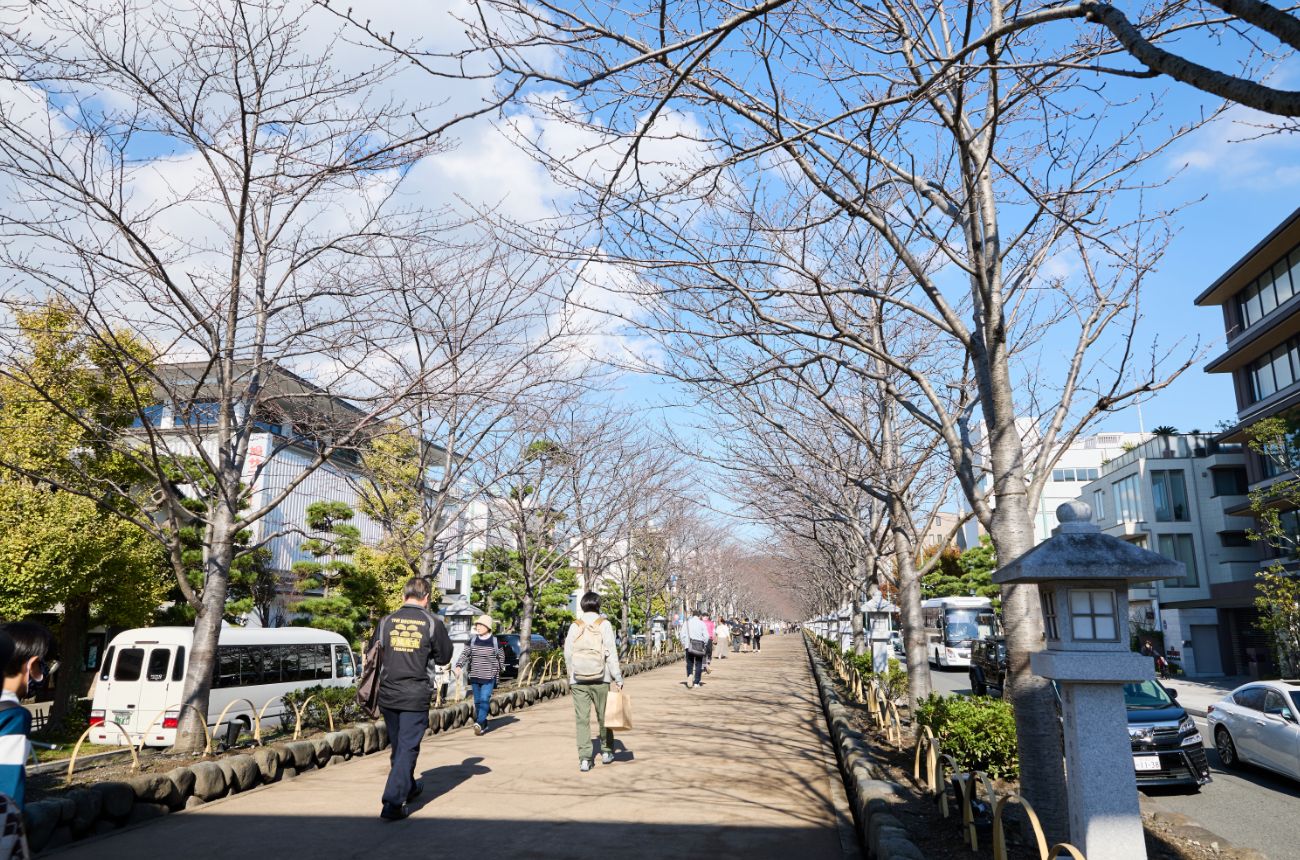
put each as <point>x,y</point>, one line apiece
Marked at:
<point>271,657</point>
<point>290,665</point>
<point>158,660</point>
<point>323,668</point>
<point>129,664</point>
<point>227,667</point>
<point>343,662</point>
<point>178,670</point>
<point>107,664</point>
<point>250,667</point>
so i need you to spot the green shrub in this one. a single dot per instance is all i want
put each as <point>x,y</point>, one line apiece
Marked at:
<point>893,679</point>
<point>979,732</point>
<point>342,703</point>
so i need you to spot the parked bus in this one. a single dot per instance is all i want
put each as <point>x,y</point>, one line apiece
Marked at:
<point>952,624</point>
<point>143,674</point>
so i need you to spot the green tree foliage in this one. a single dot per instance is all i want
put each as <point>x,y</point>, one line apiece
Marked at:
<point>499,590</point>
<point>962,574</point>
<point>61,543</point>
<point>350,598</point>
<point>1274,509</point>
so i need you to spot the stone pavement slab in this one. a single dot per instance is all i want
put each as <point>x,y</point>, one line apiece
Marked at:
<point>737,768</point>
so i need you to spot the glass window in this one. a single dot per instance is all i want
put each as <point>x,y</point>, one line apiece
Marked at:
<point>200,413</point>
<point>1099,504</point>
<point>1274,703</point>
<point>1252,305</point>
<point>1229,482</point>
<point>289,665</point>
<point>1092,614</point>
<point>321,659</point>
<point>1251,697</point>
<point>108,661</point>
<point>1281,361</point>
<point>1233,539</point>
<point>152,414</point>
<point>1049,615</point>
<point>1128,507</point>
<point>1282,281</point>
<point>1180,548</point>
<point>227,668</point>
<point>270,657</point>
<point>343,667</point>
<point>1058,475</point>
<point>1169,491</point>
<point>1261,378</point>
<point>250,666</point>
<point>159,659</point>
<point>1267,298</point>
<point>129,664</point>
<point>178,668</point>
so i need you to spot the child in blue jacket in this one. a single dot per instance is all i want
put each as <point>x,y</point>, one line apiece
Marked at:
<point>28,646</point>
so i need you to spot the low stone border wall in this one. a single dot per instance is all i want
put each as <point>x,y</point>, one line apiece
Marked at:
<point>103,807</point>
<point>872,798</point>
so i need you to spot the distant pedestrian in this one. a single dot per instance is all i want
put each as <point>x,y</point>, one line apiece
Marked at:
<point>591,653</point>
<point>415,643</point>
<point>25,649</point>
<point>746,635</point>
<point>486,659</point>
<point>695,637</point>
<point>712,628</point>
<point>758,635</point>
<point>723,634</point>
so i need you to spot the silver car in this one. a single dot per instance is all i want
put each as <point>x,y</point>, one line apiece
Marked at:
<point>1257,724</point>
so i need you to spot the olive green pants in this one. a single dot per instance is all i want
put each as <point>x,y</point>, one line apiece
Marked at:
<point>585,696</point>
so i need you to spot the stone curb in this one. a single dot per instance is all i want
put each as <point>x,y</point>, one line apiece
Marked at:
<point>872,796</point>
<point>100,808</point>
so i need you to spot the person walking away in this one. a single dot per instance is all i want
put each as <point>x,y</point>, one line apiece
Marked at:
<point>758,635</point>
<point>723,634</point>
<point>415,644</point>
<point>695,636</point>
<point>28,646</point>
<point>711,641</point>
<point>591,653</point>
<point>485,659</point>
<point>746,635</point>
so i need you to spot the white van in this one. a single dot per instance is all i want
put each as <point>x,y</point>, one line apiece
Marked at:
<point>143,675</point>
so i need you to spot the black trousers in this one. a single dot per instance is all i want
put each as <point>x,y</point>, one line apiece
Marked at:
<point>694,665</point>
<point>405,731</point>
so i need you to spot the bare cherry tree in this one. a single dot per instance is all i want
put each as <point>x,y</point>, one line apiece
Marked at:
<point>209,190</point>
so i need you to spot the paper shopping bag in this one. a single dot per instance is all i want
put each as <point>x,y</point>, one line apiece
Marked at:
<point>618,710</point>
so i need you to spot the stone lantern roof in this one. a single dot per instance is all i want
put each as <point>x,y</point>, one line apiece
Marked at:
<point>1078,550</point>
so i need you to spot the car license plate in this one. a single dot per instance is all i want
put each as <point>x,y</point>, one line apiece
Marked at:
<point>1146,762</point>
<point>122,717</point>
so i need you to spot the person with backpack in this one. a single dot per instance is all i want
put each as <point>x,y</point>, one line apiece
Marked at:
<point>414,644</point>
<point>591,653</point>
<point>486,660</point>
<point>28,646</point>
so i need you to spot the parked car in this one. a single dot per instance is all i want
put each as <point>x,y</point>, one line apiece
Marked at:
<point>988,666</point>
<point>1167,747</point>
<point>510,644</point>
<point>896,642</point>
<point>1257,724</point>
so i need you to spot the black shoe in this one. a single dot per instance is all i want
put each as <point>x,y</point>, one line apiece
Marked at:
<point>416,790</point>
<point>393,812</point>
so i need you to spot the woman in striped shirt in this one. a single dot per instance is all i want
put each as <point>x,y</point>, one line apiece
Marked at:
<point>485,659</point>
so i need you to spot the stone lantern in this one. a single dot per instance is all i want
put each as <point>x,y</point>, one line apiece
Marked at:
<point>659,631</point>
<point>879,618</point>
<point>1083,577</point>
<point>460,617</point>
<point>844,627</point>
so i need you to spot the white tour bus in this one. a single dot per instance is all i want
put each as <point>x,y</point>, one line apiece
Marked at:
<point>952,624</point>
<point>143,675</point>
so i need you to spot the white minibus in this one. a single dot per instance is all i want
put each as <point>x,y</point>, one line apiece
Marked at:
<point>952,624</point>
<point>143,674</point>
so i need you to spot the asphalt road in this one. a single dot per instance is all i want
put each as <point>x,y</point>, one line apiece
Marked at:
<point>1250,807</point>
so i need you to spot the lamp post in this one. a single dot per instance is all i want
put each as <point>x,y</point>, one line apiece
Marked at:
<point>1083,578</point>
<point>880,613</point>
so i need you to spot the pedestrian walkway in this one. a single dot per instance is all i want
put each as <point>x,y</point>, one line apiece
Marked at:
<point>737,768</point>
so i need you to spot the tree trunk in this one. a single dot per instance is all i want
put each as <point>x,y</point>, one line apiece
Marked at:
<point>72,663</point>
<point>191,734</point>
<point>525,632</point>
<point>909,598</point>
<point>625,610</point>
<point>856,626</point>
<point>1042,755</point>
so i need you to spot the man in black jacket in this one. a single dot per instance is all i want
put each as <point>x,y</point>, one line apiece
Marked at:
<point>415,644</point>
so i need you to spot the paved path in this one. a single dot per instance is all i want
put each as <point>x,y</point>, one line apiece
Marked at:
<point>737,768</point>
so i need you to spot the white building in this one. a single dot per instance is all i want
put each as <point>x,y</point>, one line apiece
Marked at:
<point>1172,495</point>
<point>1077,464</point>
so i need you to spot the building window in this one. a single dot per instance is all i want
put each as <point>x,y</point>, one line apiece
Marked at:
<point>1075,474</point>
<point>199,413</point>
<point>1099,504</point>
<point>1180,548</point>
<point>1092,615</point>
<point>152,414</point>
<point>1275,370</point>
<point>1229,482</point>
<point>1169,490</point>
<point>1128,505</point>
<point>1270,290</point>
<point>1234,539</point>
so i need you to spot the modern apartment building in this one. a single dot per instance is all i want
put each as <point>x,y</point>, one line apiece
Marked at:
<point>1259,296</point>
<point>1077,464</point>
<point>1180,495</point>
